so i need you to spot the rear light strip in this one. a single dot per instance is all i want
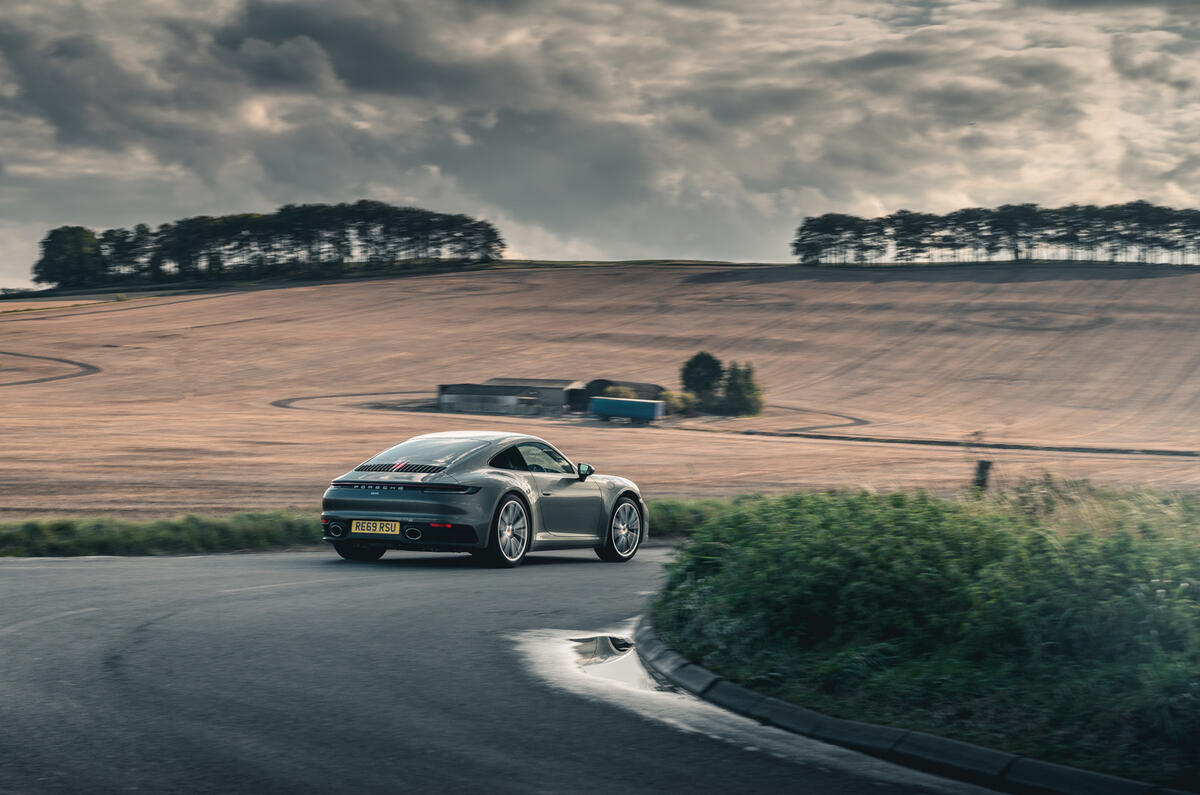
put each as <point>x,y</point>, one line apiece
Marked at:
<point>350,484</point>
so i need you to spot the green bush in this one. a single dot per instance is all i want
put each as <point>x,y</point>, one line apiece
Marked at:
<point>109,536</point>
<point>741,395</point>
<point>989,621</point>
<point>620,392</point>
<point>680,517</point>
<point>672,402</point>
<point>678,402</point>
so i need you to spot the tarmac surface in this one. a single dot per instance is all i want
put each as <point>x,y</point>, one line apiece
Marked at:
<point>300,672</point>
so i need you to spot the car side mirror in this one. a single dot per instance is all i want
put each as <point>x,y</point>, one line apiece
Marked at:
<point>586,470</point>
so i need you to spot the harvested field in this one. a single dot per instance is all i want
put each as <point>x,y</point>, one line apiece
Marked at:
<point>239,400</point>
<point>30,304</point>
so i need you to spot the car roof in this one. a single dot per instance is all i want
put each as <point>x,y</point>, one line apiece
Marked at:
<point>493,437</point>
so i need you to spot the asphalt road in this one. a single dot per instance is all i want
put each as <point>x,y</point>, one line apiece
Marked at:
<point>300,672</point>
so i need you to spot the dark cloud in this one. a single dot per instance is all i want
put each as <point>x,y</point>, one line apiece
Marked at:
<point>297,63</point>
<point>913,13</point>
<point>702,4</point>
<point>747,103</point>
<point>1025,72</point>
<point>1155,67</point>
<point>1107,5</point>
<point>75,84</point>
<point>550,166</point>
<point>878,60</point>
<point>384,48</point>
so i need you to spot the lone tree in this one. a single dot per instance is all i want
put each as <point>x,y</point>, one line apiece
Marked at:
<point>702,374</point>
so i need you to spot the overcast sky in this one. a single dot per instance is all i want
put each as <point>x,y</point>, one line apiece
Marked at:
<point>641,128</point>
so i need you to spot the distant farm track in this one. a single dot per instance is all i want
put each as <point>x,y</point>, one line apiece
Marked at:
<point>808,433</point>
<point>1045,448</point>
<point>874,377</point>
<point>82,369</point>
<point>109,308</point>
<point>290,403</point>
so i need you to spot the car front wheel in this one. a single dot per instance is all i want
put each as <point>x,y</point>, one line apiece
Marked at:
<point>624,533</point>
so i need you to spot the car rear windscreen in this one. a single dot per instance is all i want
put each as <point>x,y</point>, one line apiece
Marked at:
<point>429,451</point>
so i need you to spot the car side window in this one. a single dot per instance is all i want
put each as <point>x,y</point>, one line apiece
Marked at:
<point>541,458</point>
<point>509,459</point>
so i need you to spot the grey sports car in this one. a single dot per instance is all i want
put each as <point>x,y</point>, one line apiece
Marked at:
<point>494,494</point>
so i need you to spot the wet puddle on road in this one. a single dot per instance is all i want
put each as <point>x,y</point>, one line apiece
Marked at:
<point>616,659</point>
<point>602,664</point>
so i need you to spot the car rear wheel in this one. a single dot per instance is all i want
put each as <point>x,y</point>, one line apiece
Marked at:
<point>359,552</point>
<point>624,533</point>
<point>511,532</point>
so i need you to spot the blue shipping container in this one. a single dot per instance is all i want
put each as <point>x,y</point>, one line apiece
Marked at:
<point>644,410</point>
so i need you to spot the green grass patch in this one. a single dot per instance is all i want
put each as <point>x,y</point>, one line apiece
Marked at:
<point>1058,621</point>
<point>675,517</point>
<point>262,530</point>
<point>110,536</point>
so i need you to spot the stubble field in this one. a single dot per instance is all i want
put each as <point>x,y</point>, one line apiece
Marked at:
<point>222,402</point>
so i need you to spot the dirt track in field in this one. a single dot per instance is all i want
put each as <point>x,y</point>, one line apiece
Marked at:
<point>193,405</point>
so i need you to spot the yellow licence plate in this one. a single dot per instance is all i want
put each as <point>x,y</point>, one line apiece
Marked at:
<point>385,528</point>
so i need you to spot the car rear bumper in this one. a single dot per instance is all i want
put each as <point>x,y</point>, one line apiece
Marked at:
<point>428,517</point>
<point>433,533</point>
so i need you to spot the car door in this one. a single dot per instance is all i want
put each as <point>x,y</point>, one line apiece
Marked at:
<point>567,505</point>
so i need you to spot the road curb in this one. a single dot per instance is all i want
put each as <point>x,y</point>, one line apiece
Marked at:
<point>974,764</point>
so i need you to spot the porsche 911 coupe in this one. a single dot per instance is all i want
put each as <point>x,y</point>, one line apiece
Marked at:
<point>496,495</point>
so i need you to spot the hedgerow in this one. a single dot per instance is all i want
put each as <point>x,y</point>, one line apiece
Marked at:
<point>1010,622</point>
<point>114,536</point>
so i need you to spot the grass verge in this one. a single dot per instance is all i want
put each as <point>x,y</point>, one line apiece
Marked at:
<point>111,536</point>
<point>678,517</point>
<point>1059,621</point>
<point>262,530</point>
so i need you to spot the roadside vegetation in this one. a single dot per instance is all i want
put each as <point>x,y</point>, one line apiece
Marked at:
<point>680,517</point>
<point>72,536</point>
<point>112,536</point>
<point>1058,621</point>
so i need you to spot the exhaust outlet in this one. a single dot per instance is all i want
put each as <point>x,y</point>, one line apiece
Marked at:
<point>337,530</point>
<point>412,533</point>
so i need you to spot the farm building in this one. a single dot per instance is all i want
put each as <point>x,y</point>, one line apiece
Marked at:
<point>508,396</point>
<point>531,396</point>
<point>555,393</point>
<point>488,399</point>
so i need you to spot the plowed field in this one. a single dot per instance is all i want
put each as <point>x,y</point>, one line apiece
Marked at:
<point>185,403</point>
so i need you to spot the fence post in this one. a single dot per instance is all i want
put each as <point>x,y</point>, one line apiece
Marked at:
<point>982,468</point>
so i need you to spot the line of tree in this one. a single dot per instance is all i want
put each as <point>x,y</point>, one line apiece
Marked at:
<point>297,240</point>
<point>1132,232</point>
